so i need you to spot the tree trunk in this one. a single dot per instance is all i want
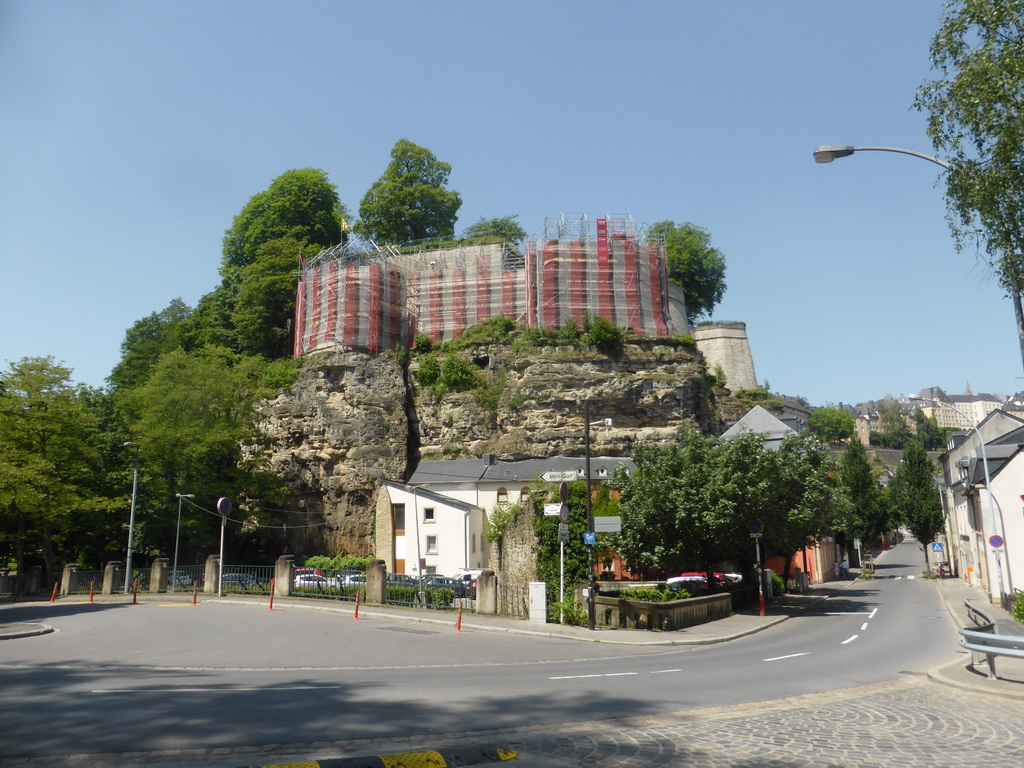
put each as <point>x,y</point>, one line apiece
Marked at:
<point>1015,297</point>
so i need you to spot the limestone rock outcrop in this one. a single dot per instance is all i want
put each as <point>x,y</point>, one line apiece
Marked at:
<point>356,418</point>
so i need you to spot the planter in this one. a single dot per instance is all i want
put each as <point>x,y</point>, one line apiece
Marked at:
<point>621,613</point>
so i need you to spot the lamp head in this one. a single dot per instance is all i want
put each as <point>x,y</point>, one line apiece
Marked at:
<point>826,153</point>
<point>130,445</point>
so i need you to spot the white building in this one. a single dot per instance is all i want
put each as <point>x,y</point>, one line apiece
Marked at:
<point>436,523</point>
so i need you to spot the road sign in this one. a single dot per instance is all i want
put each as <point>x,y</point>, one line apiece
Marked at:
<point>563,533</point>
<point>224,506</point>
<point>563,513</point>
<point>937,547</point>
<point>551,509</point>
<point>563,492</point>
<point>589,538</point>
<point>996,541</point>
<point>555,476</point>
<point>756,526</point>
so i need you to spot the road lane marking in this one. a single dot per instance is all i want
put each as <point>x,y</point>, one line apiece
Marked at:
<point>790,656</point>
<point>219,689</point>
<point>872,614</point>
<point>664,671</point>
<point>911,577</point>
<point>849,640</point>
<point>863,626</point>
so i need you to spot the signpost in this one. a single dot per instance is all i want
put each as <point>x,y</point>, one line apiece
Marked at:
<point>756,532</point>
<point>563,537</point>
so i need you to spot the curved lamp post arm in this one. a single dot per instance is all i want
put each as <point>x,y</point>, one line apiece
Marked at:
<point>826,153</point>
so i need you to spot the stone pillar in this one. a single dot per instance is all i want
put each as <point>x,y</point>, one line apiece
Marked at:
<point>376,582</point>
<point>33,580</point>
<point>69,576</point>
<point>487,594</point>
<point>211,585</point>
<point>284,576</point>
<point>110,577</point>
<point>158,576</point>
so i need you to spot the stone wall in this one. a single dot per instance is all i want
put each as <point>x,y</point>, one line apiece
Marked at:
<point>725,345</point>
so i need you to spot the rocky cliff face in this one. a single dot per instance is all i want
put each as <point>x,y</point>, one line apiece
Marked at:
<point>356,418</point>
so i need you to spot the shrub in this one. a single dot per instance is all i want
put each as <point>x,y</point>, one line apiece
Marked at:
<point>778,585</point>
<point>602,333</point>
<point>572,613</point>
<point>1018,608</point>
<point>648,594</point>
<point>422,344</point>
<point>457,375</point>
<point>429,372</point>
<point>687,340</point>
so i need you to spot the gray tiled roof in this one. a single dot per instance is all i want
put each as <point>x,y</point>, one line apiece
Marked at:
<point>525,470</point>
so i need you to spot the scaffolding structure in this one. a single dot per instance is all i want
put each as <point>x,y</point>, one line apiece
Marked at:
<point>366,296</point>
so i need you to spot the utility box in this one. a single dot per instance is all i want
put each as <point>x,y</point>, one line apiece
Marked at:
<point>538,602</point>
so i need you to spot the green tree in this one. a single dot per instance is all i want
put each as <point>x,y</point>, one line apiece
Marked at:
<point>145,341</point>
<point>832,425</point>
<point>694,264</point>
<point>47,461</point>
<point>915,495</point>
<point>263,309</point>
<point>976,118</point>
<point>893,431</point>
<point>870,514</point>
<point>410,201</point>
<point>195,419</point>
<point>929,434</point>
<point>505,228</point>
<point>300,204</point>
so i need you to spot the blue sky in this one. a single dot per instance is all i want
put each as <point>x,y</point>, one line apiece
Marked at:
<point>132,134</point>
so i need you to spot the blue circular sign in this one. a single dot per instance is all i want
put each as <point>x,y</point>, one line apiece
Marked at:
<point>756,526</point>
<point>224,506</point>
<point>996,541</point>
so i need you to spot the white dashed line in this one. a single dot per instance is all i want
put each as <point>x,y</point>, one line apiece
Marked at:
<point>849,640</point>
<point>790,656</point>
<point>863,626</point>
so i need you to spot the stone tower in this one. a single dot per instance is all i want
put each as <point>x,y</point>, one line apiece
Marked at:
<point>725,345</point>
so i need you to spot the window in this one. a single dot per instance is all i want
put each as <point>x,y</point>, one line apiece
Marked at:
<point>428,515</point>
<point>524,494</point>
<point>431,545</point>
<point>503,496</point>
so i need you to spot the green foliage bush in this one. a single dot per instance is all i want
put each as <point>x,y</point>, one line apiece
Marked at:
<point>778,585</point>
<point>602,333</point>
<point>429,373</point>
<point>651,594</point>
<point>687,339</point>
<point>422,344</point>
<point>569,611</point>
<point>457,375</point>
<point>1018,608</point>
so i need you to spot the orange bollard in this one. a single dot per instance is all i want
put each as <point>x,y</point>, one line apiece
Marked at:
<point>271,595</point>
<point>135,592</point>
<point>458,623</point>
<point>195,591</point>
<point>92,588</point>
<point>356,616</point>
<point>53,596</point>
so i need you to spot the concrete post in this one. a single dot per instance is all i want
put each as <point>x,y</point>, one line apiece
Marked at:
<point>33,580</point>
<point>376,583</point>
<point>158,576</point>
<point>68,578</point>
<point>211,584</point>
<point>110,577</point>
<point>487,594</point>
<point>284,576</point>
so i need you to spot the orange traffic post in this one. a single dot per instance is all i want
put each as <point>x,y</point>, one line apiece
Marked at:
<point>92,589</point>
<point>271,595</point>
<point>195,591</point>
<point>135,592</point>
<point>53,596</point>
<point>458,622</point>
<point>356,616</point>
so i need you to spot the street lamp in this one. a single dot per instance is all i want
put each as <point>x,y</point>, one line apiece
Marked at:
<point>177,531</point>
<point>131,518</point>
<point>988,482</point>
<point>826,153</point>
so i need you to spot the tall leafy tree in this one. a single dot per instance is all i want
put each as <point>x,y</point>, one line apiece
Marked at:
<point>145,341</point>
<point>301,204</point>
<point>893,431</point>
<point>410,201</point>
<point>832,425</point>
<point>915,495</point>
<point>871,516</point>
<point>48,460</point>
<point>976,119</point>
<point>195,421</point>
<point>263,310</point>
<point>694,264</point>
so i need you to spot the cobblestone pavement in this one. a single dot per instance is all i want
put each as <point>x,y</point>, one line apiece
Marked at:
<point>905,723</point>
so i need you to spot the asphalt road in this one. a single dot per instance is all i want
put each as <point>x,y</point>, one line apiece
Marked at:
<point>172,676</point>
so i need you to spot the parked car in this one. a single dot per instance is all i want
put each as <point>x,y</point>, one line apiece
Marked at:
<point>458,586</point>
<point>243,580</point>
<point>310,578</point>
<point>696,583</point>
<point>354,580</point>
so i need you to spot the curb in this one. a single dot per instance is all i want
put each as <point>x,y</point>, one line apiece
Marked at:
<point>426,759</point>
<point>27,629</point>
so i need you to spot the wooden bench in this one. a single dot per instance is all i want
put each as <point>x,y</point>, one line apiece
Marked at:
<point>991,645</point>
